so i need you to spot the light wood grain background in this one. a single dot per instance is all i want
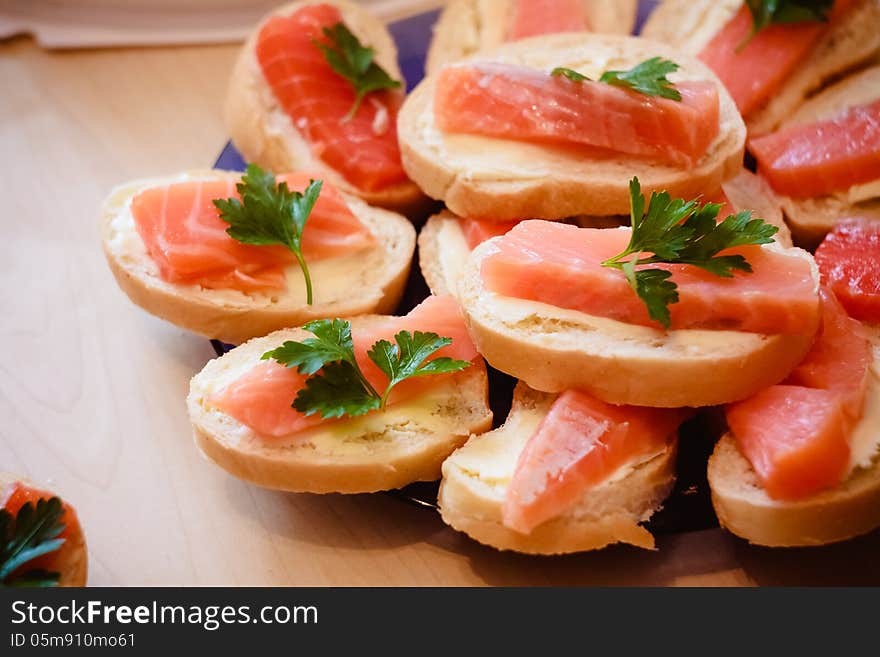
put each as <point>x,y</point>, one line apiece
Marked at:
<point>92,389</point>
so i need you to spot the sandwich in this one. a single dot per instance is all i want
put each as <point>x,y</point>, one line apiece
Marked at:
<point>370,404</point>
<point>565,473</point>
<point>554,126</point>
<point>42,541</point>
<point>316,87</point>
<point>234,256</point>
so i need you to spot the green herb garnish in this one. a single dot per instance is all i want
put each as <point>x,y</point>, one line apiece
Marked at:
<point>648,78</point>
<point>354,61</point>
<point>29,534</point>
<point>269,213</point>
<point>676,231</point>
<point>769,12</point>
<point>341,388</point>
<point>570,74</point>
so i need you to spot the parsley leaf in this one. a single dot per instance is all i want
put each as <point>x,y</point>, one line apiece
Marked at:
<point>32,533</point>
<point>354,61</point>
<point>570,74</point>
<point>407,358</point>
<point>647,78</point>
<point>681,232</point>
<point>340,388</point>
<point>769,12</point>
<point>332,342</point>
<point>337,391</point>
<point>269,213</point>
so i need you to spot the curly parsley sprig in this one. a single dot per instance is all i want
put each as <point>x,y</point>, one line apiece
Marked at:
<point>31,533</point>
<point>352,60</point>
<point>341,387</point>
<point>648,78</point>
<point>269,213</point>
<point>676,231</point>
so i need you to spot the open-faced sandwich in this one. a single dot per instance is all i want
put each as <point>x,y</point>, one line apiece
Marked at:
<point>469,26</point>
<point>771,55</point>
<point>565,473</point>
<point>677,310</point>
<point>555,126</point>
<point>824,161</point>
<point>317,88</point>
<point>235,256</point>
<point>800,463</point>
<point>356,406</point>
<point>42,541</point>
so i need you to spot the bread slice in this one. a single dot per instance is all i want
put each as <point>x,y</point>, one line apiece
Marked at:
<point>810,219</point>
<point>553,349</point>
<point>443,249</point>
<point>73,556</point>
<point>745,509</point>
<point>503,179</point>
<point>379,451</point>
<point>468,26</point>
<point>848,510</point>
<point>263,132</point>
<point>476,476</point>
<point>364,282</point>
<point>692,24</point>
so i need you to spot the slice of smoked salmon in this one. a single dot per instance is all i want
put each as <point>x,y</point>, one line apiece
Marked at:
<point>262,397</point>
<point>579,444</point>
<point>524,104</point>
<point>849,260</point>
<point>817,159</point>
<point>19,494</point>
<point>796,438</point>
<point>363,149</point>
<point>186,238</point>
<point>840,358</point>
<point>561,265</point>
<point>477,231</point>
<point>754,72</point>
<point>534,17</point>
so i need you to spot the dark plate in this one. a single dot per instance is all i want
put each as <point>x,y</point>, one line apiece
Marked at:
<point>689,507</point>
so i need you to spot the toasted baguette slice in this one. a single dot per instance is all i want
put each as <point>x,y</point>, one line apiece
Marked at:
<point>379,451</point>
<point>553,349</point>
<point>468,26</point>
<point>810,219</point>
<point>263,132</point>
<point>365,282</point>
<point>848,510</point>
<point>476,476</point>
<point>73,556</point>
<point>443,249</point>
<point>504,179</point>
<point>745,509</point>
<point>692,24</point>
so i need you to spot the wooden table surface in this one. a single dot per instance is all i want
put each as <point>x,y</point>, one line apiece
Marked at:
<point>92,388</point>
